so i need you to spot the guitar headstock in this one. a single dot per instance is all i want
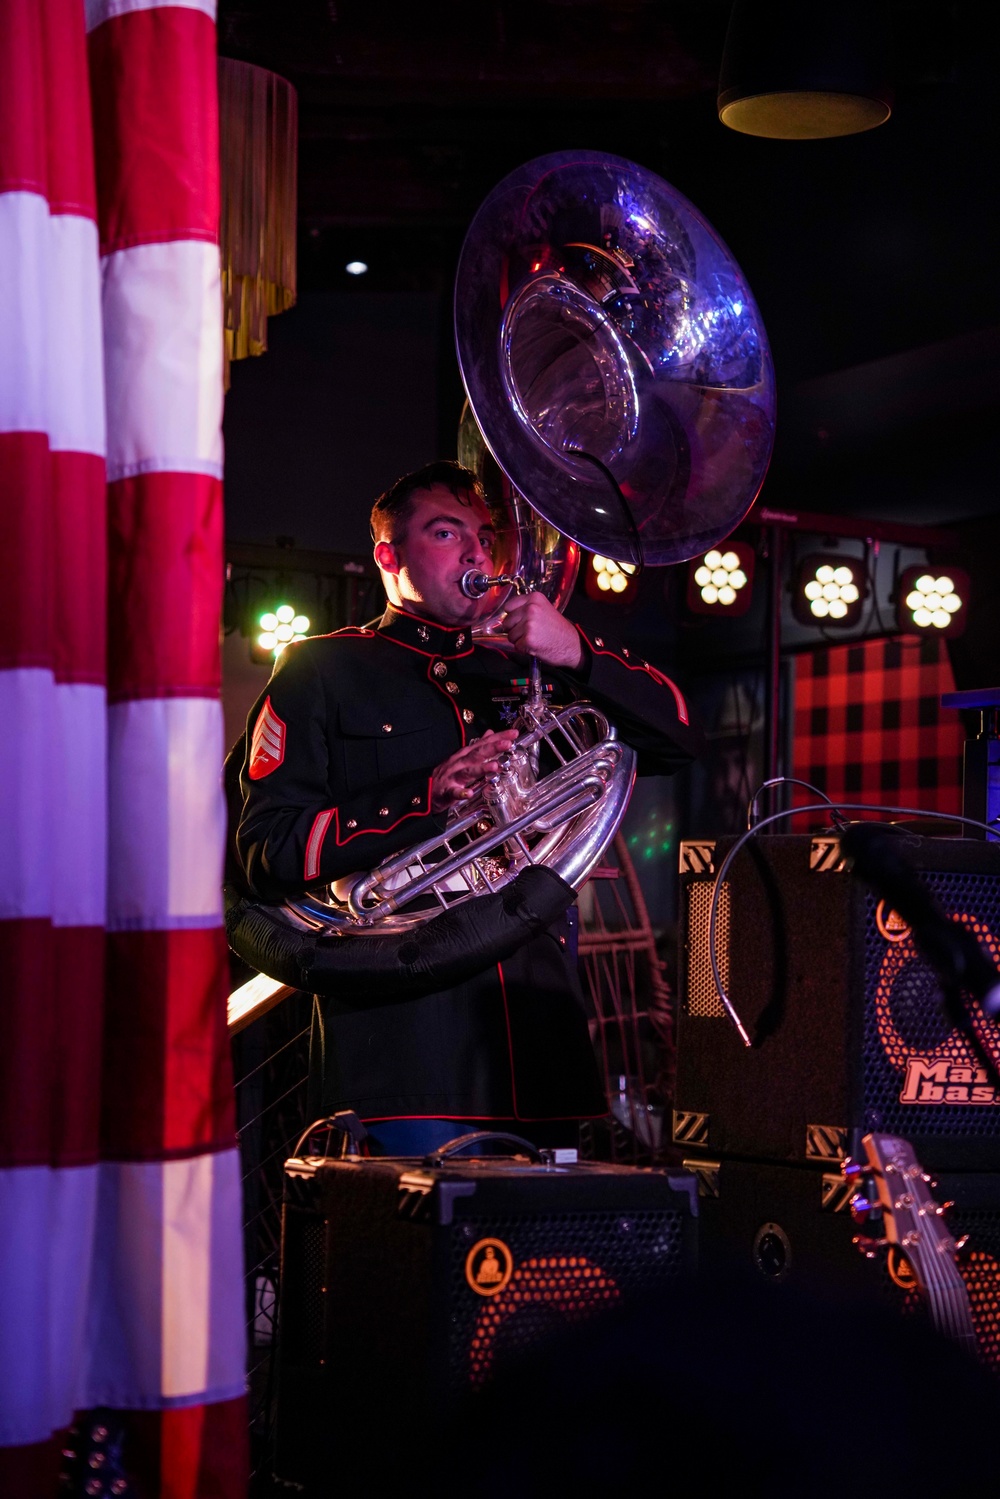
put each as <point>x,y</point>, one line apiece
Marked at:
<point>912,1218</point>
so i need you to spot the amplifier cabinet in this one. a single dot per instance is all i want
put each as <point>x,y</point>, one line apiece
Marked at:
<point>404,1286</point>
<point>787,1226</point>
<point>846,1018</point>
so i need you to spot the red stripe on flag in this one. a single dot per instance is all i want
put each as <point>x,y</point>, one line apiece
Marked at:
<point>70,144</point>
<point>52,558</point>
<point>153,74</point>
<point>50,1043</point>
<point>26,550</point>
<point>79,499</point>
<point>165,601</point>
<point>190,1453</point>
<point>167,1086</point>
<point>45,142</point>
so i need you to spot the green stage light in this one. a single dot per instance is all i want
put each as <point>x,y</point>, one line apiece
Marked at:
<point>277,628</point>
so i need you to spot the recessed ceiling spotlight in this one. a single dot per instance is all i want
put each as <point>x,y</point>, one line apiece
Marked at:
<point>356,267</point>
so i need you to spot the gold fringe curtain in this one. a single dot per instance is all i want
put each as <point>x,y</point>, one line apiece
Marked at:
<point>258,143</point>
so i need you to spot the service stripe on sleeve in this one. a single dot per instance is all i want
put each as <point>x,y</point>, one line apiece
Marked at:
<point>314,843</point>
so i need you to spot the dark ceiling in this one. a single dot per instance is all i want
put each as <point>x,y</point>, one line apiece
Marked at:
<point>871,257</point>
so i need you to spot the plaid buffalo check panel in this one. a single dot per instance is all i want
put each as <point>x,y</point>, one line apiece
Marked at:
<point>869,726</point>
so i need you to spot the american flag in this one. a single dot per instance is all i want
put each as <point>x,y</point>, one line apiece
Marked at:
<point>120,1252</point>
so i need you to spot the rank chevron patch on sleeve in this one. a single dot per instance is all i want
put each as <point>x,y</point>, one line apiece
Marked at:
<point>267,747</point>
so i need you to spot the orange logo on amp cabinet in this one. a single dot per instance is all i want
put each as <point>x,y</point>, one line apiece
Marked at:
<point>941,1081</point>
<point>950,1074</point>
<point>488,1266</point>
<point>891,925</point>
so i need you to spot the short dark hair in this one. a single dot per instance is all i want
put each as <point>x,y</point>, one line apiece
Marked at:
<point>391,510</point>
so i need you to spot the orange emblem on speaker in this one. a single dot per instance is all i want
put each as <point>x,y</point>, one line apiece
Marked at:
<point>488,1266</point>
<point>890,923</point>
<point>901,1270</point>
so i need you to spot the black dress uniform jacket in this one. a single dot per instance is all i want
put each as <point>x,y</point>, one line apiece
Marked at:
<point>339,756</point>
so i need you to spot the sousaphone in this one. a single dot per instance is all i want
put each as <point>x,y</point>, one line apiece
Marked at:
<point>621,401</point>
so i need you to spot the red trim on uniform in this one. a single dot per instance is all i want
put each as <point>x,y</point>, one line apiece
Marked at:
<point>267,746</point>
<point>419,651</point>
<point>658,676</point>
<point>510,1041</point>
<point>357,832</point>
<point>521,1118</point>
<point>451,698</point>
<point>314,843</point>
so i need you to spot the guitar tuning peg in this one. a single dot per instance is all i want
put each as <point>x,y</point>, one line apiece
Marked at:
<point>942,1208</point>
<point>852,1170</point>
<point>961,1244</point>
<point>862,1209</point>
<point>866,1246</point>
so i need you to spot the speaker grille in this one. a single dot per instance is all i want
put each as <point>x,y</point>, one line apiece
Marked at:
<point>980,1269</point>
<point>567,1267</point>
<point>907,1039</point>
<point>701,996</point>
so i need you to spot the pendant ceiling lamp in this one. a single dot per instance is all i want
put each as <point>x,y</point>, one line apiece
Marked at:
<point>806,69</point>
<point>258,145</point>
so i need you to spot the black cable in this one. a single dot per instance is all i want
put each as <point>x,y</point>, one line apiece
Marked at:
<point>758,827</point>
<point>626,510</point>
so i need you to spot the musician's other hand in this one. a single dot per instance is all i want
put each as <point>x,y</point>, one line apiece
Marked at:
<point>460,776</point>
<point>536,628</point>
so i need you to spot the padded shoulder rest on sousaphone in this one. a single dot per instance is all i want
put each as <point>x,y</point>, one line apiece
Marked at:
<point>443,952</point>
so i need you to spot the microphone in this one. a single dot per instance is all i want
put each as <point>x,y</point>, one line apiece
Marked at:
<point>876,852</point>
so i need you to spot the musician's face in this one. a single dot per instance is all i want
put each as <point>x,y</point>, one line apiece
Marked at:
<point>444,538</point>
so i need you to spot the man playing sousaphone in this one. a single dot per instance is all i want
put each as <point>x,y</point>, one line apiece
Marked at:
<point>362,744</point>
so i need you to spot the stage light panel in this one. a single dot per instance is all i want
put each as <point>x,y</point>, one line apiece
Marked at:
<point>720,581</point>
<point>607,579</point>
<point>829,590</point>
<point>932,600</point>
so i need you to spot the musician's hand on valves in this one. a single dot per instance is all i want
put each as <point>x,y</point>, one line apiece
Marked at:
<point>461,775</point>
<point>536,628</point>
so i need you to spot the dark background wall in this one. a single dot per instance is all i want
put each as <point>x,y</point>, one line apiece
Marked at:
<point>343,402</point>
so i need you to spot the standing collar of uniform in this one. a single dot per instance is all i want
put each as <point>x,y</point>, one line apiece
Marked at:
<point>425,635</point>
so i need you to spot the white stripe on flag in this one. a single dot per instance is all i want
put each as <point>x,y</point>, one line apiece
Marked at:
<point>105,10</point>
<point>168,815</point>
<point>167,1320</point>
<point>46,1233</point>
<point>51,373</point>
<point>79,792</point>
<point>52,799</point>
<point>163,358</point>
